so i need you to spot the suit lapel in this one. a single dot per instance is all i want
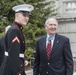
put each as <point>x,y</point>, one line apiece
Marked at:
<point>44,47</point>
<point>55,44</point>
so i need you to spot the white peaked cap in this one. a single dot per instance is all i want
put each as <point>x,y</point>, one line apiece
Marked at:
<point>23,7</point>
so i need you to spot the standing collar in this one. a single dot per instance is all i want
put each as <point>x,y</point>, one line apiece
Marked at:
<point>18,25</point>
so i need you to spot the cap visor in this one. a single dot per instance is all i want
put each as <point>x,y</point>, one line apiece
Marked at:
<point>25,12</point>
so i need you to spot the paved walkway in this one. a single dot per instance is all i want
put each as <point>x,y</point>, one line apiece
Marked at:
<point>30,72</point>
<point>74,73</point>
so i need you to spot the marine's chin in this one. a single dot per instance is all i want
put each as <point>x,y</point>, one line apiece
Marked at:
<point>24,24</point>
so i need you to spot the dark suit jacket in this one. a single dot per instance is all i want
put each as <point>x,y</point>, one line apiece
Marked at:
<point>60,62</point>
<point>2,48</point>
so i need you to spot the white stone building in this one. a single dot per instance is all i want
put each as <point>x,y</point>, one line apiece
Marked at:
<point>67,20</point>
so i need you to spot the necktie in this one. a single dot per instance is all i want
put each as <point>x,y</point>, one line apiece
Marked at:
<point>48,49</point>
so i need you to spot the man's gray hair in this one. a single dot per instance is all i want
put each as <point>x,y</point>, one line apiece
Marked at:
<point>48,20</point>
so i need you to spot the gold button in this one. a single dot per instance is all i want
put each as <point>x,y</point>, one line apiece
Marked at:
<point>21,27</point>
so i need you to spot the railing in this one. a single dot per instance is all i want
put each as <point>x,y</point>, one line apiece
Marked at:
<point>32,62</point>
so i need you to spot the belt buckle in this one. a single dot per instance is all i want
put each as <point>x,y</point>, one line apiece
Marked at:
<point>6,53</point>
<point>21,55</point>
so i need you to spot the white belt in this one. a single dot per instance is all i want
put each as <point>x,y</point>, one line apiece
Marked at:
<point>20,55</point>
<point>6,53</point>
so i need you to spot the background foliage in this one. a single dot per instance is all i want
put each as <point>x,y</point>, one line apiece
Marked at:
<point>35,27</point>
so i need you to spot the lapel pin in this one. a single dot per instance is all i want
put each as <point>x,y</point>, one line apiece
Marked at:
<point>57,41</point>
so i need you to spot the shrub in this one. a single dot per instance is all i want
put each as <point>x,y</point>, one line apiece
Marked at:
<point>29,54</point>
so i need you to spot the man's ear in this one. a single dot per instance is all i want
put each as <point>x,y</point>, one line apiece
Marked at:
<point>16,14</point>
<point>45,26</point>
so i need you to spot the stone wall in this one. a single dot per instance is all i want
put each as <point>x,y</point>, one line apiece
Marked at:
<point>68,28</point>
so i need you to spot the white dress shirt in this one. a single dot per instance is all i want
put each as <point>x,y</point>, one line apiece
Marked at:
<point>52,40</point>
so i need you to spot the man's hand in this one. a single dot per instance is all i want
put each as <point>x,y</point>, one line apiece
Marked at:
<point>25,63</point>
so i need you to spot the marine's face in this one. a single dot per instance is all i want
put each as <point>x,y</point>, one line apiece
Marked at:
<point>23,19</point>
<point>51,27</point>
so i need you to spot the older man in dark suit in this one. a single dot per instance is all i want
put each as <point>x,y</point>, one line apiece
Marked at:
<point>53,53</point>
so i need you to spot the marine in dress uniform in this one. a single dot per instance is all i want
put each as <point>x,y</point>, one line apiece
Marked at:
<point>15,42</point>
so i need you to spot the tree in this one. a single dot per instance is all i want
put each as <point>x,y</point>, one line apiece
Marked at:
<point>6,13</point>
<point>35,27</point>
